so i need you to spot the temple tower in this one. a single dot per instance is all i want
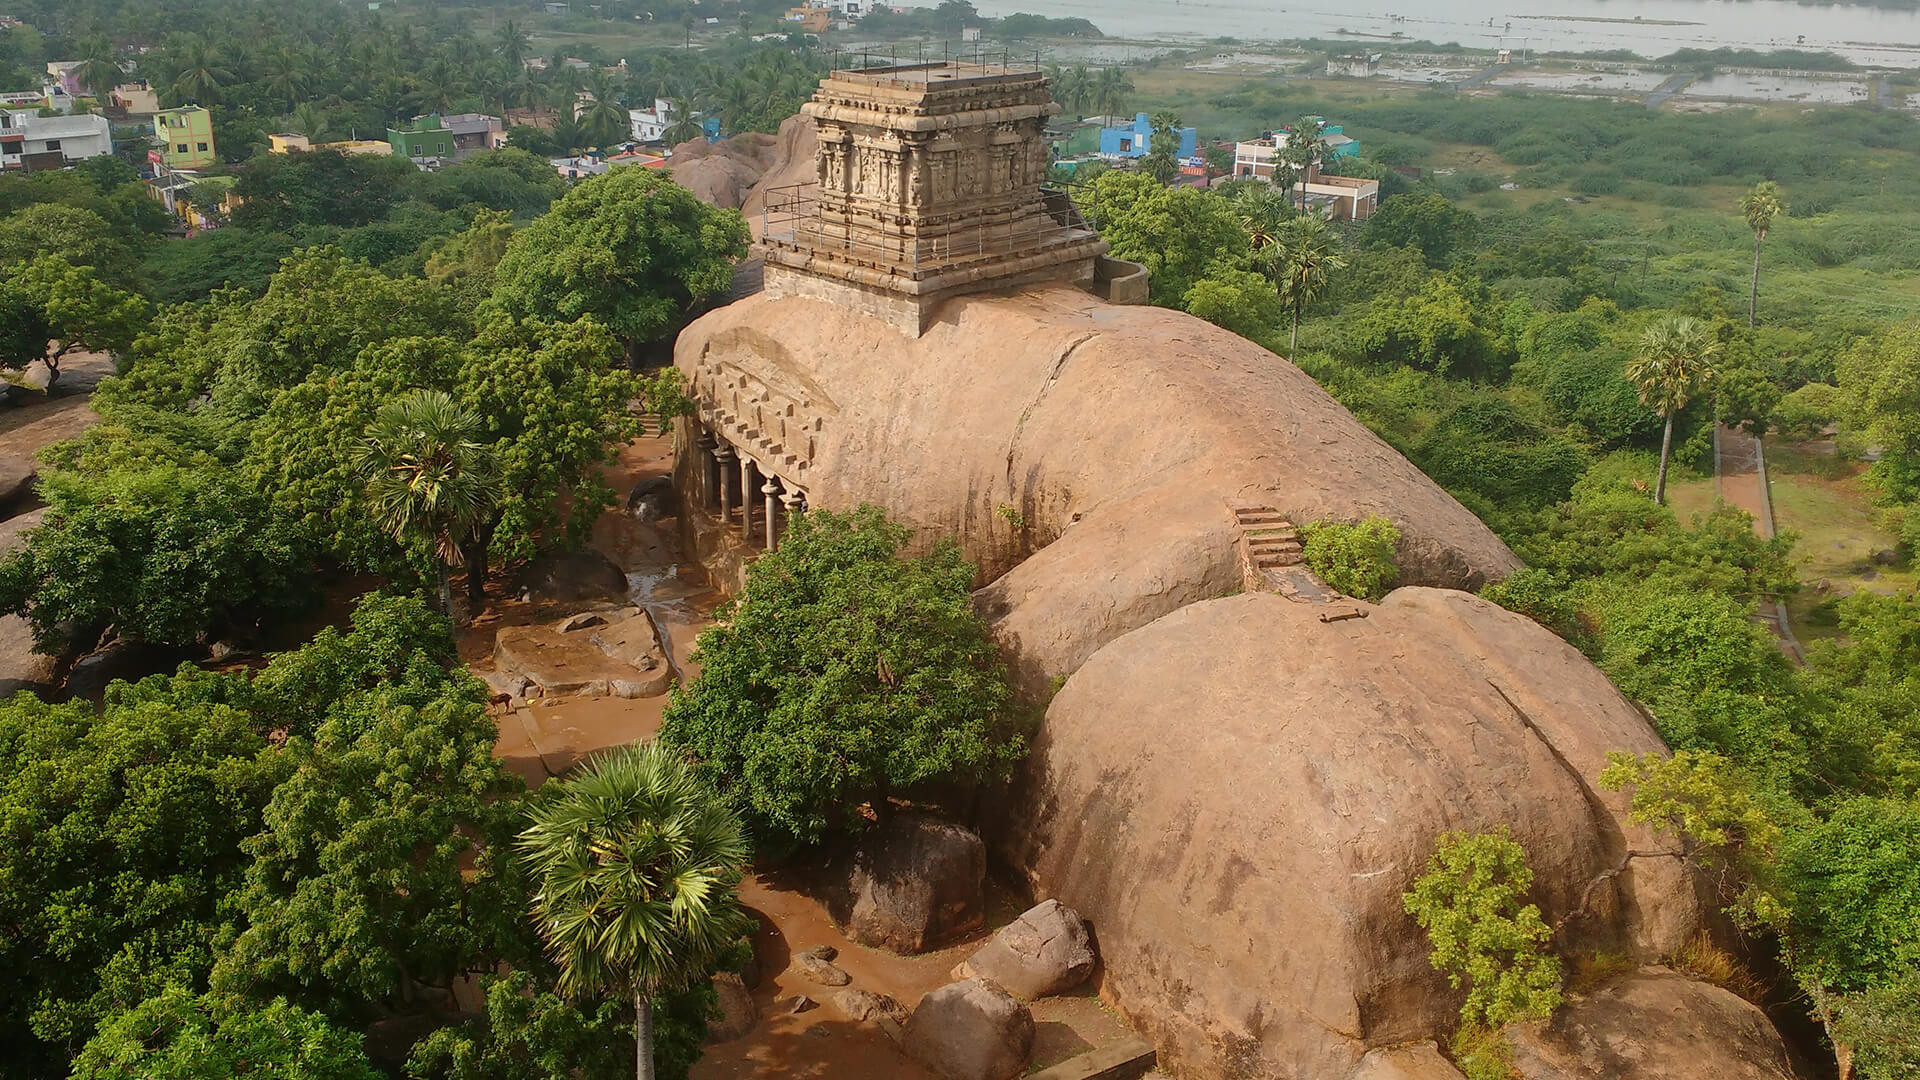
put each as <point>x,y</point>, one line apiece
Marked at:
<point>928,187</point>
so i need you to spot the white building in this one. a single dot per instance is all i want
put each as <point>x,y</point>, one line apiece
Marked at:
<point>650,125</point>
<point>25,134</point>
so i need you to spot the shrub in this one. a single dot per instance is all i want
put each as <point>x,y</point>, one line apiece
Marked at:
<point>1470,903</point>
<point>1355,559</point>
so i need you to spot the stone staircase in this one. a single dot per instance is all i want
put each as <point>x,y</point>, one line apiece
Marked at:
<point>1270,540</point>
<point>1271,560</point>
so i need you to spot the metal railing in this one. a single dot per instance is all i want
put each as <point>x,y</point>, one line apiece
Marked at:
<point>984,61</point>
<point>791,216</point>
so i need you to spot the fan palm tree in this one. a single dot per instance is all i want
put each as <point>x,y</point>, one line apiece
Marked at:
<point>1305,145</point>
<point>1302,259</point>
<point>1760,206</point>
<point>99,71</point>
<point>1670,365</point>
<point>199,74</point>
<point>430,481</point>
<point>1261,211</point>
<point>637,863</point>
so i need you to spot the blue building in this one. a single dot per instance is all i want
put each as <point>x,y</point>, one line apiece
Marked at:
<point>1136,139</point>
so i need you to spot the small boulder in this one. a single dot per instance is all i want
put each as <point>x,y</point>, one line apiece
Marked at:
<point>814,969</point>
<point>651,499</point>
<point>1653,1023</point>
<point>864,1005</point>
<point>822,952</point>
<point>913,882</point>
<point>579,620</point>
<point>738,1013</point>
<point>1045,951</point>
<point>559,577</point>
<point>16,478</point>
<point>971,1030</point>
<point>796,1004</point>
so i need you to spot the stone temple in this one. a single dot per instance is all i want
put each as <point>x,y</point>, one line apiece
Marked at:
<point>1239,771</point>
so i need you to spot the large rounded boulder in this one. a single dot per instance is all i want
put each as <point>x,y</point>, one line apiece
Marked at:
<point>1238,794</point>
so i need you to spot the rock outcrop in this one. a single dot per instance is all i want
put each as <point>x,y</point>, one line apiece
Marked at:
<point>1656,1023</point>
<point>722,173</point>
<point>1083,454</point>
<point>1047,950</point>
<point>971,1030</point>
<point>571,577</point>
<point>1242,839</point>
<point>793,153</point>
<point>914,882</point>
<point>20,667</point>
<point>738,1011</point>
<point>591,654</point>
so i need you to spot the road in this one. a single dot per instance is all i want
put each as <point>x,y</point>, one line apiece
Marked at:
<point>1667,89</point>
<point>1740,473</point>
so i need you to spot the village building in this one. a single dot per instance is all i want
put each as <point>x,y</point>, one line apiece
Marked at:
<point>474,132</point>
<point>422,140</point>
<point>1133,140</point>
<point>1354,65</point>
<point>1342,198</point>
<point>185,137</point>
<point>32,142</point>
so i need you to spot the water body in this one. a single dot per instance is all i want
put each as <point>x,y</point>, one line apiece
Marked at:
<point>1651,28</point>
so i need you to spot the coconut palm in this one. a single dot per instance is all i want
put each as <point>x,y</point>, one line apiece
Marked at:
<point>604,119</point>
<point>636,863</point>
<point>430,481</point>
<point>1760,206</point>
<point>1301,260</point>
<point>284,74</point>
<point>512,42</point>
<point>685,124</point>
<point>1110,89</point>
<point>310,121</point>
<point>1070,87</point>
<point>1670,365</point>
<point>199,74</point>
<point>99,71</point>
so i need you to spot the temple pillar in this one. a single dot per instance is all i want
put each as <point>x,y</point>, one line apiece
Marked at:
<point>721,455</point>
<point>771,489</point>
<point>704,461</point>
<point>793,502</point>
<point>747,471</point>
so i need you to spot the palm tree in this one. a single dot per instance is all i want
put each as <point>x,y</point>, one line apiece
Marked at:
<point>1110,90</point>
<point>1070,89</point>
<point>1670,365</point>
<point>309,121</point>
<point>685,125</point>
<point>604,119</point>
<point>1305,144</point>
<point>1261,211</point>
<point>512,42</point>
<point>431,482</point>
<point>199,75</point>
<point>637,863</point>
<point>1760,206</point>
<point>99,71</point>
<point>284,74</point>
<point>1302,258</point>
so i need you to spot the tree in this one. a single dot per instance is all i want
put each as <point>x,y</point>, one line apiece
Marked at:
<point>630,248</point>
<point>842,675</point>
<point>637,863</point>
<point>430,482</point>
<point>1071,88</point>
<point>382,871</point>
<point>99,71</point>
<point>1181,235</point>
<point>1110,89</point>
<point>512,43</point>
<point>74,309</point>
<point>1760,206</point>
<point>154,538</point>
<point>1470,902</point>
<point>1669,367</point>
<point>199,73</point>
<point>1302,259</point>
<point>1427,222</point>
<point>1162,160</point>
<point>1304,148</point>
<point>122,834</point>
<point>212,1037</point>
<point>1237,300</point>
<point>604,119</point>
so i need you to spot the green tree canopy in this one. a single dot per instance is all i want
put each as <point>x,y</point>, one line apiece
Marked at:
<point>844,673</point>
<point>177,1036</point>
<point>1181,235</point>
<point>630,248</point>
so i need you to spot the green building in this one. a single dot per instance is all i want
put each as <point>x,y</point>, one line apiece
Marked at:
<point>185,136</point>
<point>421,137</point>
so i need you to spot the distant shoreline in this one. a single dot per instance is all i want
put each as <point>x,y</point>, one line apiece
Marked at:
<point>1601,19</point>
